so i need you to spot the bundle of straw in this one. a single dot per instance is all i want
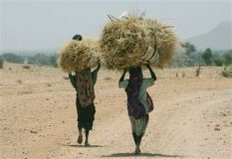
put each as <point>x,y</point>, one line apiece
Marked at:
<point>78,55</point>
<point>120,40</point>
<point>133,41</point>
<point>163,39</point>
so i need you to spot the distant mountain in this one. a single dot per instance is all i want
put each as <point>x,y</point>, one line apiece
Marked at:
<point>219,38</point>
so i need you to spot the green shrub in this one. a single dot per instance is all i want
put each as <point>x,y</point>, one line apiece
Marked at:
<point>207,56</point>
<point>26,67</point>
<point>1,63</point>
<point>218,62</point>
<point>228,58</point>
<point>53,60</point>
<point>10,57</point>
<point>227,72</point>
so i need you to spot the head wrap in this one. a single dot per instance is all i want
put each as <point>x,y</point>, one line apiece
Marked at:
<point>77,37</point>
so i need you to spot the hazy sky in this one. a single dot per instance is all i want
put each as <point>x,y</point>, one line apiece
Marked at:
<point>41,24</point>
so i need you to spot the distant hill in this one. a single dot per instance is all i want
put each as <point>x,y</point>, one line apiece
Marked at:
<point>219,38</point>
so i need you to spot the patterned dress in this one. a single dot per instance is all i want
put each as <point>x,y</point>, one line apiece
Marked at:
<point>85,115</point>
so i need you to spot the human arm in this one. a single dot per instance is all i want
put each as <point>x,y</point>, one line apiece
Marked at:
<point>153,76</point>
<point>123,83</point>
<point>123,76</point>
<point>95,72</point>
<point>73,80</point>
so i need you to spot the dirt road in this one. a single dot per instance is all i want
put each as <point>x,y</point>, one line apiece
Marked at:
<point>192,118</point>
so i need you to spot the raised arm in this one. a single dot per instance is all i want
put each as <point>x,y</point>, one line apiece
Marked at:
<point>73,80</point>
<point>151,72</point>
<point>123,76</point>
<point>94,73</point>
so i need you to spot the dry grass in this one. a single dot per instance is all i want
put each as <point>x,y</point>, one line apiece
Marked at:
<point>78,55</point>
<point>162,37</point>
<point>125,42</point>
<point>120,40</point>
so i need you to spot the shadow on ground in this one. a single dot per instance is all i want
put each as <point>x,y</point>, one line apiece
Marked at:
<point>83,146</point>
<point>141,155</point>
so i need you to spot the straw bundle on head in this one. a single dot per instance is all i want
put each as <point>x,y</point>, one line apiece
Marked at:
<point>78,55</point>
<point>163,39</point>
<point>121,40</point>
<point>133,41</point>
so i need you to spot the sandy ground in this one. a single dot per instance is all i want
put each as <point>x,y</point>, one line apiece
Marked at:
<point>192,117</point>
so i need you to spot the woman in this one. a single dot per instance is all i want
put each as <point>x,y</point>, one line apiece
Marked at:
<point>139,103</point>
<point>84,82</point>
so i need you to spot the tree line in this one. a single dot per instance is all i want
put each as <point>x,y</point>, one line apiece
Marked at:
<point>187,56</point>
<point>190,56</point>
<point>39,59</point>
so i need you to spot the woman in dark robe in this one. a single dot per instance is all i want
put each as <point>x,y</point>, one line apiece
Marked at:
<point>139,102</point>
<point>84,82</point>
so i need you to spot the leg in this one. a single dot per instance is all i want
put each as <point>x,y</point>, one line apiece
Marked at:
<point>134,137</point>
<point>80,137</point>
<point>141,125</point>
<point>138,139</point>
<point>134,124</point>
<point>87,138</point>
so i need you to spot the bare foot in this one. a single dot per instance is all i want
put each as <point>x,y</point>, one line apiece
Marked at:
<point>80,139</point>
<point>87,144</point>
<point>137,151</point>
